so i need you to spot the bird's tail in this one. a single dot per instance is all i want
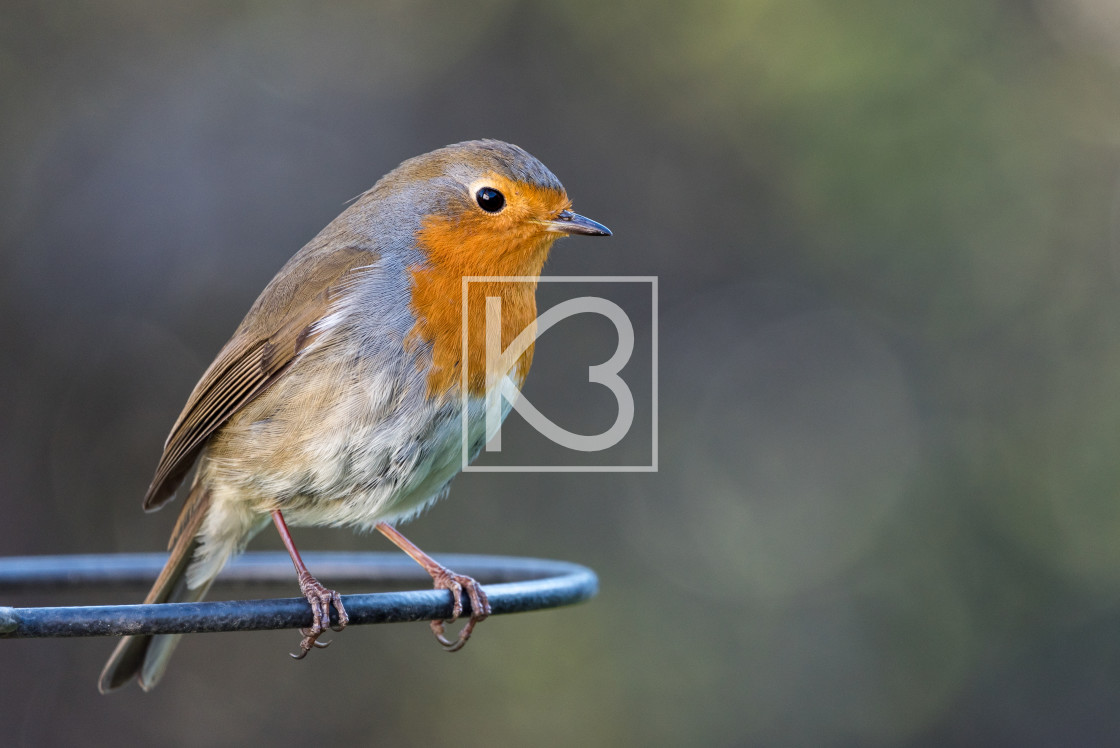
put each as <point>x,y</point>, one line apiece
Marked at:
<point>147,655</point>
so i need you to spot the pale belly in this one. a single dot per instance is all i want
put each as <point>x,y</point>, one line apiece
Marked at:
<point>375,449</point>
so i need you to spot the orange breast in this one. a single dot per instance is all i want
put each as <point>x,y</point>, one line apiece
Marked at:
<point>477,245</point>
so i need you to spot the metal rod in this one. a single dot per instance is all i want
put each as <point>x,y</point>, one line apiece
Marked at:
<point>519,585</point>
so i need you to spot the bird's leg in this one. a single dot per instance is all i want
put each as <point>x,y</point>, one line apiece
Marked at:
<point>445,579</point>
<point>320,597</point>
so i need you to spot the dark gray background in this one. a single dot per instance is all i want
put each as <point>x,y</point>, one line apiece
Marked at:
<point>890,355</point>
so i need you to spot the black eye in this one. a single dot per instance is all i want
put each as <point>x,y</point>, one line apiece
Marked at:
<point>490,200</point>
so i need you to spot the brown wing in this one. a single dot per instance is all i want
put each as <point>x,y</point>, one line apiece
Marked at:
<point>276,329</point>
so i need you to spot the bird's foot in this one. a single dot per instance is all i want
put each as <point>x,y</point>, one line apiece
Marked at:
<point>445,579</point>
<point>321,600</point>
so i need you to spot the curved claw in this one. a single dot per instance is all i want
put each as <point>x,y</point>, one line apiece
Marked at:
<point>312,638</point>
<point>321,600</point>
<point>438,630</point>
<point>480,608</point>
<point>456,644</point>
<point>306,645</point>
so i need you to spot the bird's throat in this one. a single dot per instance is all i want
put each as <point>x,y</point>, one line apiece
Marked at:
<point>455,304</point>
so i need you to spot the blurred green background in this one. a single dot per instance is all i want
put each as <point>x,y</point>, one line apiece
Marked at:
<point>887,238</point>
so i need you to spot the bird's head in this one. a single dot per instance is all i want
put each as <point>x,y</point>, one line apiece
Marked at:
<point>489,213</point>
<point>488,208</point>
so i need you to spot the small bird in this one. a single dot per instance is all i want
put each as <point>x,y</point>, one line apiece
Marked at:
<point>339,399</point>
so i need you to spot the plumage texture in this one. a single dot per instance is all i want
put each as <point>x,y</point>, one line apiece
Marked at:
<point>337,400</point>
<point>148,655</point>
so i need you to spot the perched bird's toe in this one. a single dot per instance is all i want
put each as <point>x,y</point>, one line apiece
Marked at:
<point>321,600</point>
<point>457,584</point>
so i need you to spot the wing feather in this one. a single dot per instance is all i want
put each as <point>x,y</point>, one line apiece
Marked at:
<point>280,325</point>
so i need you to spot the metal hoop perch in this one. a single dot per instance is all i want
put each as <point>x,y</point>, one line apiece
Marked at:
<point>513,585</point>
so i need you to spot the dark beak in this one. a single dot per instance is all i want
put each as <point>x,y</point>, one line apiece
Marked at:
<point>567,222</point>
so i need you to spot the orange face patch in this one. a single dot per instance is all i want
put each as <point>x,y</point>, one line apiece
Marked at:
<point>512,242</point>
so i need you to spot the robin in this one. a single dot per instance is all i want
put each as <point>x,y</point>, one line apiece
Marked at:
<point>339,399</point>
